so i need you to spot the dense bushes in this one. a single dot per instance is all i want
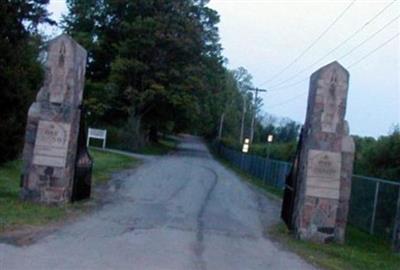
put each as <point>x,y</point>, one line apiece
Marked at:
<point>20,71</point>
<point>379,157</point>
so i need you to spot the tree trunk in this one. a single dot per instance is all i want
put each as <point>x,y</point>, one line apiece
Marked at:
<point>153,134</point>
<point>138,136</point>
<point>221,125</point>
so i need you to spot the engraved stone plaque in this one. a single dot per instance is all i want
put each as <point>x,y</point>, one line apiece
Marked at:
<point>51,146</point>
<point>323,174</point>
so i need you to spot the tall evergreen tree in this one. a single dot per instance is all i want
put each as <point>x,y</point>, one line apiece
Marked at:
<point>20,71</point>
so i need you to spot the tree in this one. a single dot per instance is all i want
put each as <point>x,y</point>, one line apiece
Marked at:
<point>20,71</point>
<point>150,63</point>
<point>379,157</point>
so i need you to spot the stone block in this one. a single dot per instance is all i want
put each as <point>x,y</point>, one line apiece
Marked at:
<point>325,158</point>
<point>53,125</point>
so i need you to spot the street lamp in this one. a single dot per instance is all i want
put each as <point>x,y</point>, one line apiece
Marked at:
<point>270,138</point>
<point>245,147</point>
<point>267,166</point>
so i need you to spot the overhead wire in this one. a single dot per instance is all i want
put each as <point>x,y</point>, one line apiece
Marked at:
<point>273,77</point>
<point>349,66</point>
<point>370,37</point>
<point>280,86</point>
<point>373,51</point>
<point>288,100</point>
<point>355,33</point>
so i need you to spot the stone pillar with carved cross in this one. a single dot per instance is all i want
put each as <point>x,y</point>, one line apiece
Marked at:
<point>52,129</point>
<point>326,157</point>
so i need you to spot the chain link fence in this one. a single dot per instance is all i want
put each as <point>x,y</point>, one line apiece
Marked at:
<point>373,205</point>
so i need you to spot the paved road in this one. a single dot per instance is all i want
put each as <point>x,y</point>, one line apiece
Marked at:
<point>180,212</point>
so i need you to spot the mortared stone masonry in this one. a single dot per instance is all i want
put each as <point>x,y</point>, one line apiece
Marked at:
<point>52,129</point>
<point>325,161</point>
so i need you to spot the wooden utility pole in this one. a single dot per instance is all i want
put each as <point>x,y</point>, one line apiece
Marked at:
<point>256,90</point>
<point>242,122</point>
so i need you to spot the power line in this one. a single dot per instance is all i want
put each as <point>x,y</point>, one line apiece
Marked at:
<point>370,37</point>
<point>338,46</point>
<point>311,45</point>
<point>288,100</point>
<point>374,50</point>
<point>280,86</point>
<point>288,85</point>
<point>349,66</point>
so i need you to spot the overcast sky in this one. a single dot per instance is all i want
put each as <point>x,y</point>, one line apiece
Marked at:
<point>266,36</point>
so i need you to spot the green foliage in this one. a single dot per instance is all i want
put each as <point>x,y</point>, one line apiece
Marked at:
<point>379,157</point>
<point>106,163</point>
<point>161,147</point>
<point>278,151</point>
<point>150,63</point>
<point>374,157</point>
<point>16,212</point>
<point>20,71</point>
<point>284,144</point>
<point>278,193</point>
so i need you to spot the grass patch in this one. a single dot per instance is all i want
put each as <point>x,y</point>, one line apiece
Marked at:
<point>163,146</point>
<point>15,212</point>
<point>244,175</point>
<point>361,251</point>
<point>105,163</point>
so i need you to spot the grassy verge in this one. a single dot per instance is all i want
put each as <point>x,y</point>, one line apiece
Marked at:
<point>105,163</point>
<point>248,177</point>
<point>15,213</point>
<point>163,146</point>
<point>361,251</point>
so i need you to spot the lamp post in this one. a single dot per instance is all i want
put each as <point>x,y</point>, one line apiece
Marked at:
<point>270,138</point>
<point>245,149</point>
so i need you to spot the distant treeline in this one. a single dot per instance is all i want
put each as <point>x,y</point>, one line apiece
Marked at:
<point>374,157</point>
<point>379,157</point>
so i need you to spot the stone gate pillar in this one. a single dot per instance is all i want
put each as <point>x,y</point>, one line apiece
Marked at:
<point>53,125</point>
<point>323,182</point>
